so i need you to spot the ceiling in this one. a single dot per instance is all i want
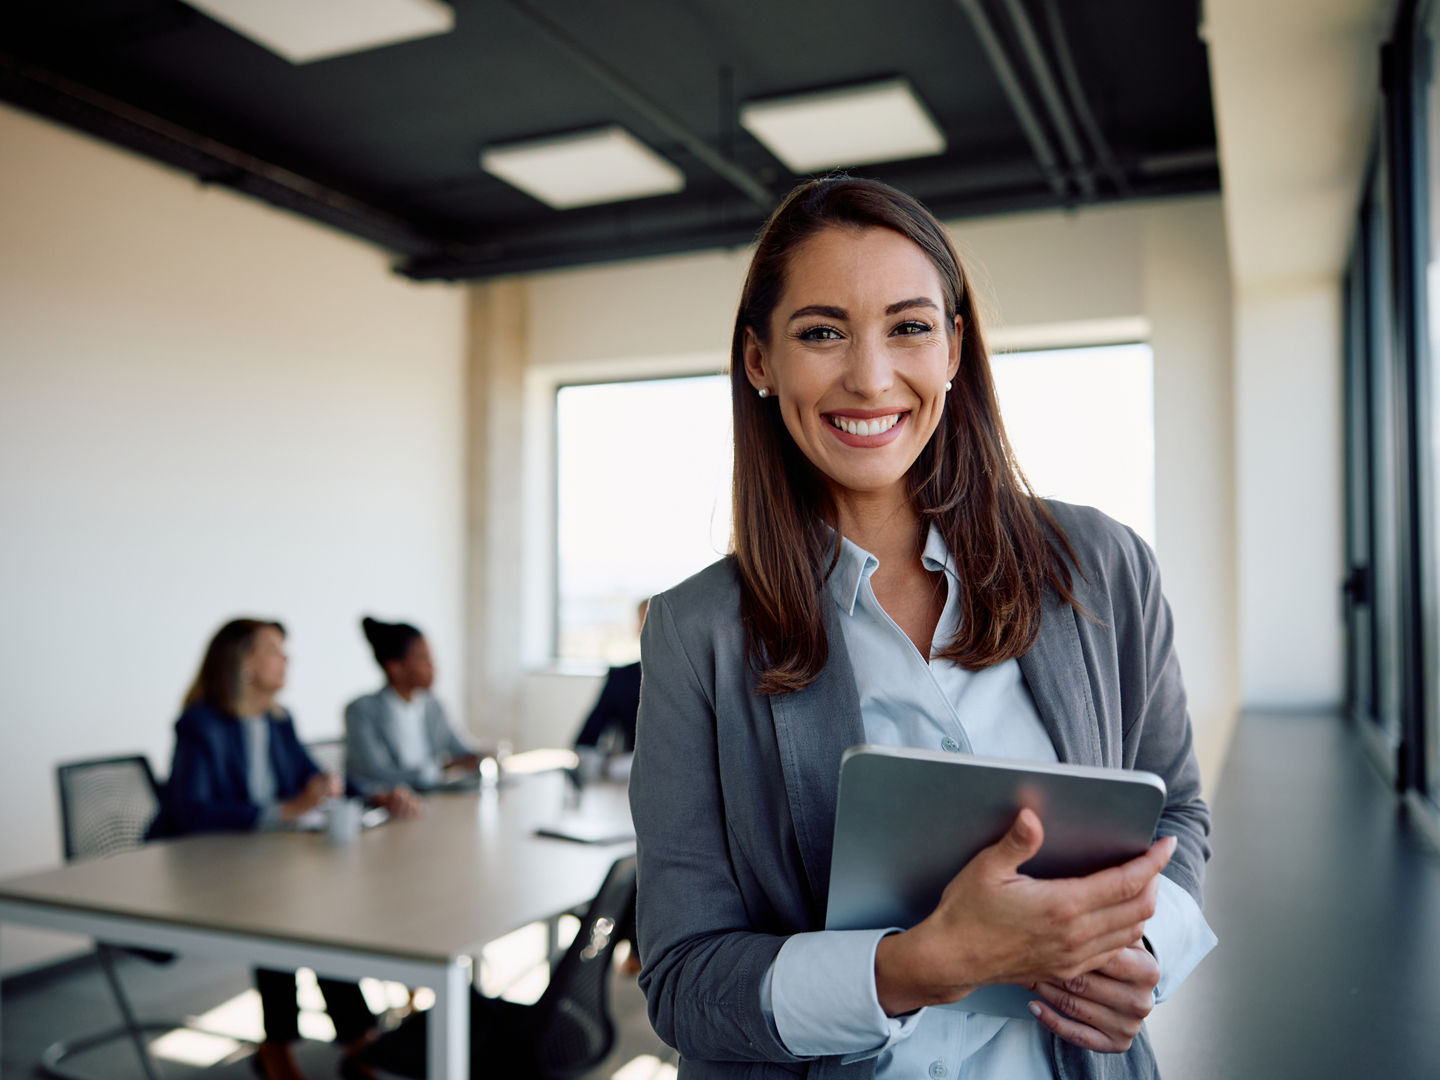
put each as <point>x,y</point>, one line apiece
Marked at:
<point>1111,100</point>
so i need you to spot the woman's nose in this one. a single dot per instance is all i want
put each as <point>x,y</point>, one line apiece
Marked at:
<point>868,372</point>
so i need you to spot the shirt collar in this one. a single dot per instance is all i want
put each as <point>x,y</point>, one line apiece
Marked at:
<point>855,566</point>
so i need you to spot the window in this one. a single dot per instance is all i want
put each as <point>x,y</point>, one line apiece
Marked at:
<point>1082,424</point>
<point>643,475</point>
<point>643,502</point>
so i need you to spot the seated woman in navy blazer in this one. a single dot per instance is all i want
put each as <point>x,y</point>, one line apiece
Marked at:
<point>239,766</point>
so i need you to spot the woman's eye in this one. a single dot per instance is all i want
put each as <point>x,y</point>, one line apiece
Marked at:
<point>914,326</point>
<point>820,333</point>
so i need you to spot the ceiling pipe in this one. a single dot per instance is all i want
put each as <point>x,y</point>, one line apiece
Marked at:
<point>1065,61</point>
<point>1010,83</point>
<point>1050,95</point>
<point>213,162</point>
<point>655,114</point>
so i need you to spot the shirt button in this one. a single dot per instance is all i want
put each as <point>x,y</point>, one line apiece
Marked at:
<point>951,745</point>
<point>937,1070</point>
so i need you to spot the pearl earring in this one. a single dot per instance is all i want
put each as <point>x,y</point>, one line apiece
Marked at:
<point>947,386</point>
<point>764,391</point>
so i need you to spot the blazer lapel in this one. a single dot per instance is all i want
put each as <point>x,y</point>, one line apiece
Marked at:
<point>814,727</point>
<point>1056,672</point>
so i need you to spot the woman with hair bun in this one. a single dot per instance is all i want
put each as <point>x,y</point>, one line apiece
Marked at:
<point>399,735</point>
<point>893,579</point>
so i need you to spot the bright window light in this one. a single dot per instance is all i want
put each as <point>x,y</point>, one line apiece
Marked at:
<point>305,30</point>
<point>645,1067</point>
<point>601,166</point>
<point>1082,423</point>
<point>857,125</point>
<point>643,502</point>
<point>195,1048</point>
<point>239,1017</point>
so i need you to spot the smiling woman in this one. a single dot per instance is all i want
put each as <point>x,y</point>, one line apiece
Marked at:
<point>893,579</point>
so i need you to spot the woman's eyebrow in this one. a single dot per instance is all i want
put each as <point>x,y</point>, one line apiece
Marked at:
<point>840,313</point>
<point>918,301</point>
<point>819,309</point>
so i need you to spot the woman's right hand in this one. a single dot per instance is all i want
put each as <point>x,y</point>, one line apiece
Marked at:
<point>317,789</point>
<point>996,925</point>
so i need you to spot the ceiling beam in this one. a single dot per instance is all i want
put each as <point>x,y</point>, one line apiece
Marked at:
<point>970,192</point>
<point>1015,93</point>
<point>654,113</point>
<point>58,98</point>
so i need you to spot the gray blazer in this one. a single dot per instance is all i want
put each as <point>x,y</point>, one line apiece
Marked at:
<point>734,793</point>
<point>372,762</point>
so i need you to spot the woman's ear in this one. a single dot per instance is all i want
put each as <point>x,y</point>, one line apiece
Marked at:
<point>957,340</point>
<point>756,368</point>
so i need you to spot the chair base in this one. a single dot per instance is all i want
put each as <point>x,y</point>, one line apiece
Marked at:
<point>52,1061</point>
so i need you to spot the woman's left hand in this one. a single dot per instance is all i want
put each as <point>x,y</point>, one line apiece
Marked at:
<point>1102,1009</point>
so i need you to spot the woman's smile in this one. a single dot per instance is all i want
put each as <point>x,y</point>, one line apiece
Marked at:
<point>862,427</point>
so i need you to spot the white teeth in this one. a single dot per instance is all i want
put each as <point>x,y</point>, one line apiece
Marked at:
<point>878,426</point>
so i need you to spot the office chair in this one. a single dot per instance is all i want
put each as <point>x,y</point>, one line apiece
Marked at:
<point>106,807</point>
<point>567,1032</point>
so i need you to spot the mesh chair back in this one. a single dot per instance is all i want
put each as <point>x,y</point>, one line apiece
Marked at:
<point>106,804</point>
<point>574,1028</point>
<point>329,755</point>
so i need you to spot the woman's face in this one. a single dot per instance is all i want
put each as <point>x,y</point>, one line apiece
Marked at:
<point>858,357</point>
<point>266,661</point>
<point>416,669</point>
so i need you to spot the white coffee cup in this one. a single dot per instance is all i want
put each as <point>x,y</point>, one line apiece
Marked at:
<point>342,821</point>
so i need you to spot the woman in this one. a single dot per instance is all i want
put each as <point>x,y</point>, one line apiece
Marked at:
<point>399,736</point>
<point>893,580</point>
<point>239,766</point>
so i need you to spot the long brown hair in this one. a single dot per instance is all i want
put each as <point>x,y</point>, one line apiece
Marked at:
<point>217,683</point>
<point>1006,545</point>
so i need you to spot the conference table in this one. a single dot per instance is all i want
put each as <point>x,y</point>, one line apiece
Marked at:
<point>411,901</point>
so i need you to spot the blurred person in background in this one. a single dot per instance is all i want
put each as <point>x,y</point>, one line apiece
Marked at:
<point>399,735</point>
<point>611,723</point>
<point>238,766</point>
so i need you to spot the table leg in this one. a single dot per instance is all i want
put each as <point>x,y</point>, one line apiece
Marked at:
<point>449,1027</point>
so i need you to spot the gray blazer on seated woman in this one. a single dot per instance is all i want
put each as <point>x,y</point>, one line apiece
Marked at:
<point>400,734</point>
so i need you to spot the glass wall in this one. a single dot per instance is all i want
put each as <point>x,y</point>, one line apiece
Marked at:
<point>1392,406</point>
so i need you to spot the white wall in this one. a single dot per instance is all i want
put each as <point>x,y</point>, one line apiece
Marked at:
<point>1161,265</point>
<point>207,408</point>
<point>1291,519</point>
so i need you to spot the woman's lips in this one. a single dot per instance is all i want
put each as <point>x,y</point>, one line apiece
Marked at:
<point>861,429</point>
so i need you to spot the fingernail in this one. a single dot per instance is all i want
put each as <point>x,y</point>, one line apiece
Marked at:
<point>1034,1007</point>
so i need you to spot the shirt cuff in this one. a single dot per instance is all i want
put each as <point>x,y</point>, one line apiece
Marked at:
<point>820,996</point>
<point>1178,936</point>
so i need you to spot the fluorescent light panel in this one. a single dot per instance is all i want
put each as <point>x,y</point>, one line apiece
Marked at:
<point>305,30</point>
<point>601,166</point>
<point>857,125</point>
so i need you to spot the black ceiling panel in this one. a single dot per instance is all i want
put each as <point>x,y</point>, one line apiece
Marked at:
<point>385,143</point>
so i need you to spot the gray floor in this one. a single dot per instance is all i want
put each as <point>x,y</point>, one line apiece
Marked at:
<point>1326,901</point>
<point>39,1009</point>
<point>1324,895</point>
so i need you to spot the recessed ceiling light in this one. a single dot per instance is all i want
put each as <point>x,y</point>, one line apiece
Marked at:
<point>857,125</point>
<point>305,30</point>
<point>605,165</point>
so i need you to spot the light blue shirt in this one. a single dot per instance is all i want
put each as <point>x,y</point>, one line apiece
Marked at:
<point>259,775</point>
<point>411,742</point>
<point>820,991</point>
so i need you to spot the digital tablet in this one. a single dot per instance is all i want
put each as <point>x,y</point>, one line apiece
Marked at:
<point>907,821</point>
